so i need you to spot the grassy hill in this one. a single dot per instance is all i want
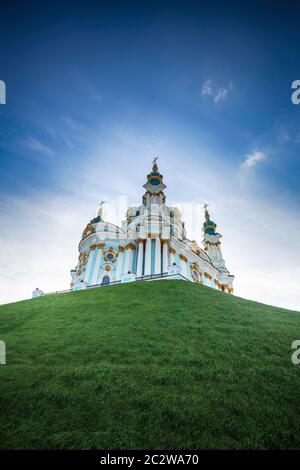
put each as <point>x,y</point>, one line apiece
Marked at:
<point>162,365</point>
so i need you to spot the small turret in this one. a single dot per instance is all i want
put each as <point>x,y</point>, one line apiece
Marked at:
<point>154,187</point>
<point>209,226</point>
<point>211,242</point>
<point>37,293</point>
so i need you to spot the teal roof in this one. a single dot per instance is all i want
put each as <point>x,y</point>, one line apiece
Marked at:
<point>96,220</point>
<point>209,227</point>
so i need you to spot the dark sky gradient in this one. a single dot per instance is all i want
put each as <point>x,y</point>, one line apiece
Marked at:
<point>143,64</point>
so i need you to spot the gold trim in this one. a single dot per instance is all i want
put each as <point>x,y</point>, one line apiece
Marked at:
<point>151,177</point>
<point>151,193</point>
<point>112,251</point>
<point>208,276</point>
<point>121,249</point>
<point>183,257</point>
<point>212,243</point>
<point>88,230</point>
<point>172,250</point>
<point>96,245</point>
<point>130,246</point>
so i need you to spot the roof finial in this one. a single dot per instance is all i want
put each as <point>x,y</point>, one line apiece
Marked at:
<point>206,211</point>
<point>155,167</point>
<point>100,211</point>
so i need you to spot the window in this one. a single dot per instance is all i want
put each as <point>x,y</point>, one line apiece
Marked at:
<point>106,280</point>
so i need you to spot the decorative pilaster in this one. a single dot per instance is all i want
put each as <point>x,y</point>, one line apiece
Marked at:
<point>157,264</point>
<point>207,279</point>
<point>99,248</point>
<point>183,262</point>
<point>165,252</point>
<point>139,270</point>
<point>148,256</point>
<point>129,257</point>
<point>172,252</point>
<point>89,265</point>
<point>120,263</point>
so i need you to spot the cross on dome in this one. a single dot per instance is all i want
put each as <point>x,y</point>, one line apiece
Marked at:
<point>206,211</point>
<point>154,164</point>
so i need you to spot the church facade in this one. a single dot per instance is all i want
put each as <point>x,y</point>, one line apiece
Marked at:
<point>151,243</point>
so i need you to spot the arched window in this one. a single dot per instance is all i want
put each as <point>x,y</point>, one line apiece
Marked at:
<point>105,280</point>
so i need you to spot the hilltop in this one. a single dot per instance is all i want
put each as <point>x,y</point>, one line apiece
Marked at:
<point>153,365</point>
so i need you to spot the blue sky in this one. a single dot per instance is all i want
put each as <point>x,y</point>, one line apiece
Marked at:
<point>94,91</point>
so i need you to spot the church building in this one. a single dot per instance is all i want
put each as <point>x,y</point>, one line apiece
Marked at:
<point>151,244</point>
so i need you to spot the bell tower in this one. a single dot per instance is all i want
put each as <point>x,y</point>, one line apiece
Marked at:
<point>154,187</point>
<point>211,242</point>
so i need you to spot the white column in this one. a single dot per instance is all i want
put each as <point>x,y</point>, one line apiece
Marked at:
<point>219,253</point>
<point>97,264</point>
<point>148,257</point>
<point>128,258</point>
<point>172,255</point>
<point>120,263</point>
<point>89,265</point>
<point>165,262</point>
<point>157,261</point>
<point>139,270</point>
<point>183,265</point>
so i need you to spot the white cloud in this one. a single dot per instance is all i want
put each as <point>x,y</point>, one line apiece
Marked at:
<point>253,158</point>
<point>36,145</point>
<point>217,94</point>
<point>207,88</point>
<point>221,95</point>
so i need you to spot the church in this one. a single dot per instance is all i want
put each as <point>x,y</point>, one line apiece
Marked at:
<point>151,244</point>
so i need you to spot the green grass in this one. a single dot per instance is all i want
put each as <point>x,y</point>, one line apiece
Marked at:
<point>153,365</point>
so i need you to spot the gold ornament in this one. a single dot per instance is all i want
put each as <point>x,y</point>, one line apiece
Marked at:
<point>88,230</point>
